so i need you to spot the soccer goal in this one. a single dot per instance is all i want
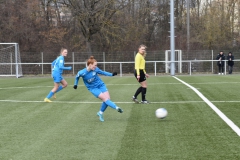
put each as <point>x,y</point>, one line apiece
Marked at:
<point>10,62</point>
<point>178,59</point>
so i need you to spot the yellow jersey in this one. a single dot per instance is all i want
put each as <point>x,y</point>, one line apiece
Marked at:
<point>139,63</point>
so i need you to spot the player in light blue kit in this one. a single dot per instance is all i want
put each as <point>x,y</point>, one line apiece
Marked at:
<point>58,67</point>
<point>96,86</point>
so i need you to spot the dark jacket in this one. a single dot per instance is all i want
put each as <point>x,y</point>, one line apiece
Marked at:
<point>230,59</point>
<point>220,62</point>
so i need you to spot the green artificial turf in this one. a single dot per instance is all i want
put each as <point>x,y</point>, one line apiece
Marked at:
<point>68,128</point>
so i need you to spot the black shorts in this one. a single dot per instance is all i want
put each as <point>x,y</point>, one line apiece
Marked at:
<point>142,75</point>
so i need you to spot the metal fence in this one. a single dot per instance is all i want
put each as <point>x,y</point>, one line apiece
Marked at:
<point>192,62</point>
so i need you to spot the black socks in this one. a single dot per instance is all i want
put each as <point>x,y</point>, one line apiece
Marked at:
<point>139,90</point>
<point>144,91</point>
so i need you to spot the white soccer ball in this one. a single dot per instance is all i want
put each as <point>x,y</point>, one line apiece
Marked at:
<point>161,113</point>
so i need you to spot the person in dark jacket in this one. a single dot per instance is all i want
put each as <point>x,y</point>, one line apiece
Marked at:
<point>230,59</point>
<point>220,63</point>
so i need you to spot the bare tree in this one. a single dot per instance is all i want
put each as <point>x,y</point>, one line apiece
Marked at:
<point>92,15</point>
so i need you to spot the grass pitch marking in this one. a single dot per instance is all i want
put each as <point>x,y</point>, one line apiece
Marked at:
<point>109,84</point>
<point>220,114</point>
<point>130,102</point>
<point>81,102</point>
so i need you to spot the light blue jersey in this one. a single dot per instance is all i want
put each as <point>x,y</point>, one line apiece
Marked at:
<point>58,67</point>
<point>97,87</point>
<point>92,81</point>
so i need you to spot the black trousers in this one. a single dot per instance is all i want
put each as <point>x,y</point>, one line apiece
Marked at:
<point>220,68</point>
<point>230,69</point>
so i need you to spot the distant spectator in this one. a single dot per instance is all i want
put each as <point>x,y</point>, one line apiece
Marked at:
<point>220,63</point>
<point>230,59</point>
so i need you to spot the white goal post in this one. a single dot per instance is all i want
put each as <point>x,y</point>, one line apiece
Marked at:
<point>10,61</point>
<point>178,58</point>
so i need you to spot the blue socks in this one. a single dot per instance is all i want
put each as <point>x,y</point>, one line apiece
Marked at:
<point>59,89</point>
<point>111,104</point>
<point>106,104</point>
<point>103,107</point>
<point>51,93</point>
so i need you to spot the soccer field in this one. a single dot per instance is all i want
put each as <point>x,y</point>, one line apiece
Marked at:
<point>69,129</point>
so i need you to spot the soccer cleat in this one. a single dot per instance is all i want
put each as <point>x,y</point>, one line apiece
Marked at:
<point>219,73</point>
<point>100,117</point>
<point>145,102</point>
<point>120,110</point>
<point>135,100</point>
<point>222,73</point>
<point>54,96</point>
<point>47,100</point>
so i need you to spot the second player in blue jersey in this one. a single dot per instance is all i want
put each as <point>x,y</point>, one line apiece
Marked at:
<point>58,67</point>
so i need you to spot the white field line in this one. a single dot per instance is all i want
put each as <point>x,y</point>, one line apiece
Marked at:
<point>85,102</point>
<point>220,114</point>
<point>82,102</point>
<point>135,84</point>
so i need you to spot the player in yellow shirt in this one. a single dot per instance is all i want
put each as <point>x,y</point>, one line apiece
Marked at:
<point>140,74</point>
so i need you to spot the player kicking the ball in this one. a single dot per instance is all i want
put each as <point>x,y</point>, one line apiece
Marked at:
<point>96,86</point>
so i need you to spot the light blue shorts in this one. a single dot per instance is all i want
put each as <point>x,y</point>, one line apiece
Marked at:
<point>57,78</point>
<point>97,91</point>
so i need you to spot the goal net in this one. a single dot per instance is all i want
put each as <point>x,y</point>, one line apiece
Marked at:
<point>10,62</point>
